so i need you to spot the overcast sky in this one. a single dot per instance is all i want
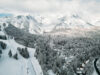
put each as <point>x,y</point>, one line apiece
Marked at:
<point>44,6</point>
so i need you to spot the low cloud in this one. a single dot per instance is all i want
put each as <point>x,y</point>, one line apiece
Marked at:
<point>50,6</point>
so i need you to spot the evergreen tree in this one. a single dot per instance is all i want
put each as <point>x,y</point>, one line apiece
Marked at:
<point>16,56</point>
<point>3,45</point>
<point>10,53</point>
<point>0,51</point>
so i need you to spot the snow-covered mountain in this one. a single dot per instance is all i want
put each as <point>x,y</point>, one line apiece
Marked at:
<point>39,24</point>
<point>12,61</point>
<point>26,23</point>
<point>47,52</point>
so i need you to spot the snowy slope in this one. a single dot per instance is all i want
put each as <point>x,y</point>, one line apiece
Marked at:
<point>22,66</point>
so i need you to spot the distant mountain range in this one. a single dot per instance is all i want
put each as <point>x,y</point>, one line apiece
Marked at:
<point>42,24</point>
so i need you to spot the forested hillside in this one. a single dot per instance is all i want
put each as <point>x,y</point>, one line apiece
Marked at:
<point>63,55</point>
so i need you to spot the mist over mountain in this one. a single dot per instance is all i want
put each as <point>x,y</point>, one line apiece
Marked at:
<point>39,24</point>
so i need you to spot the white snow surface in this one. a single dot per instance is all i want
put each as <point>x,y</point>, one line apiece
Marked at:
<point>38,24</point>
<point>50,72</point>
<point>22,66</point>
